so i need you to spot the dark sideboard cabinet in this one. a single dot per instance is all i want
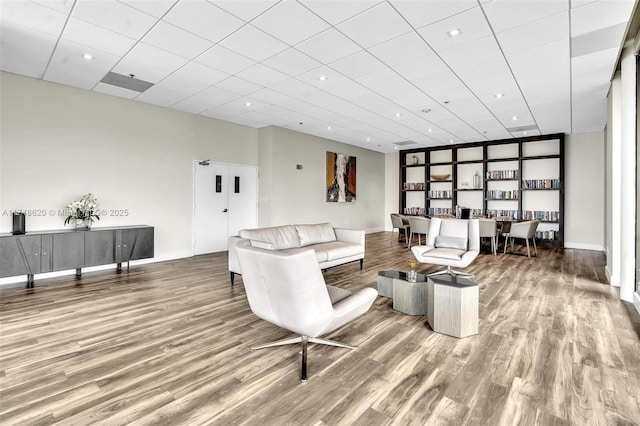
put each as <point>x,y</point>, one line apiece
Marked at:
<point>48,251</point>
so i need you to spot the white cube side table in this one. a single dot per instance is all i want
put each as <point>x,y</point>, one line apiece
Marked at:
<point>452,305</point>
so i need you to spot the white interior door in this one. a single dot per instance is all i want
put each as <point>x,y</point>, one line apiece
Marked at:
<point>243,198</point>
<point>211,198</point>
<point>225,201</point>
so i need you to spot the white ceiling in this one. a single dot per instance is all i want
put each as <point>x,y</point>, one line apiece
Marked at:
<point>259,62</point>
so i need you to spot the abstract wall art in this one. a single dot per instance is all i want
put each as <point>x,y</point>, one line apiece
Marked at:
<point>341,178</point>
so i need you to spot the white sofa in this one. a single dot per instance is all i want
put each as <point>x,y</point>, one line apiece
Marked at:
<point>332,246</point>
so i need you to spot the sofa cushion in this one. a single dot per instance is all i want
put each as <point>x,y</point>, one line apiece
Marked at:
<point>339,249</point>
<point>337,294</point>
<point>316,233</point>
<point>451,242</point>
<point>281,237</point>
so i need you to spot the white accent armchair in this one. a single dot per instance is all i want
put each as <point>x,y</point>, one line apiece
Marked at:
<point>286,288</point>
<point>450,242</point>
<point>525,231</point>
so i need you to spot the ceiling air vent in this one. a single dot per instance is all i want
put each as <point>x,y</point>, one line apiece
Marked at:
<point>405,143</point>
<point>126,82</point>
<point>522,128</point>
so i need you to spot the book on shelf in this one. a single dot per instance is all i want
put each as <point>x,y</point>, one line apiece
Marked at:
<point>493,213</point>
<point>502,174</point>
<point>541,184</point>
<point>440,194</point>
<point>542,216</point>
<point>414,211</point>
<point>502,195</point>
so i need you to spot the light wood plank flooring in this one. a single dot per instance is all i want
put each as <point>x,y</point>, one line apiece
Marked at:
<point>168,344</point>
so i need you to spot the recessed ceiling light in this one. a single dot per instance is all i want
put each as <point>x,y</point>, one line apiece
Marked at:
<point>524,133</point>
<point>368,139</point>
<point>398,114</point>
<point>430,130</point>
<point>395,147</point>
<point>499,95</point>
<point>329,127</point>
<point>322,78</point>
<point>87,56</point>
<point>454,32</point>
<point>450,140</point>
<point>247,104</point>
<point>514,118</point>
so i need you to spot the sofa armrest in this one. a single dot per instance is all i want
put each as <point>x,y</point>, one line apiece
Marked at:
<point>355,236</point>
<point>235,241</point>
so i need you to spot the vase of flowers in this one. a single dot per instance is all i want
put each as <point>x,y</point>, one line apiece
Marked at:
<point>83,212</point>
<point>412,275</point>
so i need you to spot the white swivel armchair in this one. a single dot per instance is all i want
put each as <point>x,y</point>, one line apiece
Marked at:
<point>287,289</point>
<point>398,223</point>
<point>525,231</point>
<point>450,242</point>
<point>419,226</point>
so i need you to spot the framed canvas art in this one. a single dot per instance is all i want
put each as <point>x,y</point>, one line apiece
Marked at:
<point>341,178</point>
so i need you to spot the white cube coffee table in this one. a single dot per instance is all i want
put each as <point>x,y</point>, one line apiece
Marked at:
<point>452,305</point>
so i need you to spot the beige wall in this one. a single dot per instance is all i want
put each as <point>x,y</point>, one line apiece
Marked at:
<point>299,196</point>
<point>584,201</point>
<point>58,143</point>
<point>392,187</point>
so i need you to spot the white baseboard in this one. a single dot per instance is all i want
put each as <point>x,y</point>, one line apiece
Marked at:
<point>22,279</point>
<point>613,280</point>
<point>636,301</point>
<point>581,246</point>
<point>374,230</point>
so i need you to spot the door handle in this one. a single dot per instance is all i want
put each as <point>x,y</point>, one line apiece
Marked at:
<point>225,210</point>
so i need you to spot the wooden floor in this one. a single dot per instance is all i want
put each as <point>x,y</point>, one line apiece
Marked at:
<point>168,344</point>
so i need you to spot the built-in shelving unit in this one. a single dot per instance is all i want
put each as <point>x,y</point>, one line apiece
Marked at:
<point>521,178</point>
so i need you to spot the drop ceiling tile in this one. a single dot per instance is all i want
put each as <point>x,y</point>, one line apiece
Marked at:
<point>387,83</point>
<point>328,46</point>
<point>293,87</point>
<point>190,106</point>
<point>484,49</point>
<point>182,84</point>
<point>601,14</point>
<point>328,11</point>
<point>273,110</point>
<point>270,96</point>
<point>197,16</point>
<point>158,58</point>
<point>322,77</point>
<point>63,6</point>
<point>156,8</point>
<point>115,16</point>
<point>263,75</point>
<point>253,43</point>
<point>425,12</point>
<point>33,16</point>
<point>245,9</point>
<point>176,40</point>
<point>238,85</point>
<point>97,38</point>
<point>224,60</point>
<point>24,51</point>
<point>67,66</point>
<point>422,67</point>
<point>374,26</point>
<point>212,97</point>
<point>401,49</point>
<point>348,89</point>
<point>598,60</point>
<point>471,23</point>
<point>494,68</point>
<point>202,73</point>
<point>506,14</point>
<point>115,91</point>
<point>358,64</point>
<point>140,71</point>
<point>534,34</point>
<point>290,22</point>
<point>292,62</point>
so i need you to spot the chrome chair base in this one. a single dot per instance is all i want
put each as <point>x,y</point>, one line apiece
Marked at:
<point>451,272</point>
<point>304,340</point>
